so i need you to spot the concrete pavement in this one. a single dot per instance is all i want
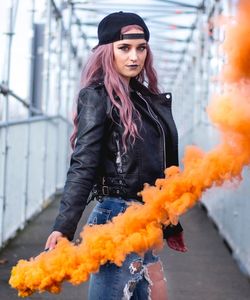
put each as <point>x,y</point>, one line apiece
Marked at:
<point>207,271</point>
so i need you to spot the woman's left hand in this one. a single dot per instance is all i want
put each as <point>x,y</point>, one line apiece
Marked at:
<point>176,242</point>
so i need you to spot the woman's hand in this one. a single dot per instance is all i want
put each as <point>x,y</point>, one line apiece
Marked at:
<point>176,242</point>
<point>52,240</point>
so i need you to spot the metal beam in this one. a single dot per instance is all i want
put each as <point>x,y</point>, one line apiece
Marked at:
<point>170,51</point>
<point>162,23</point>
<point>171,39</point>
<point>104,9</point>
<point>181,4</point>
<point>149,5</point>
<point>173,26</point>
<point>166,25</point>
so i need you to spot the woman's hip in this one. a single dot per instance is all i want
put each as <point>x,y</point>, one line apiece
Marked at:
<point>132,278</point>
<point>107,208</point>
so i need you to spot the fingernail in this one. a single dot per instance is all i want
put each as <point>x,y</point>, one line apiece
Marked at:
<point>46,250</point>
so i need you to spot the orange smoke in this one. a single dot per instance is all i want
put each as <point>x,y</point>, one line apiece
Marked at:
<point>139,228</point>
<point>237,45</point>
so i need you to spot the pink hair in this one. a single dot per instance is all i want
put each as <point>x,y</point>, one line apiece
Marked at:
<point>100,66</point>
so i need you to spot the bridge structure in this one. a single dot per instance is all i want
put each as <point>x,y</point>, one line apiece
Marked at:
<point>43,47</point>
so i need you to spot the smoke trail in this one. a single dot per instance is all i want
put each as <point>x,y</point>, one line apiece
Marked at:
<point>139,228</point>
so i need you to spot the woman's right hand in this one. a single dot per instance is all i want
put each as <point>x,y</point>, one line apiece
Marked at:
<point>52,240</point>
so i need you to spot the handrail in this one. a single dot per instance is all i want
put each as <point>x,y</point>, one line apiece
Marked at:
<point>34,119</point>
<point>6,91</point>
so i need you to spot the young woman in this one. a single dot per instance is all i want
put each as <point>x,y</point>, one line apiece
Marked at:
<point>124,136</point>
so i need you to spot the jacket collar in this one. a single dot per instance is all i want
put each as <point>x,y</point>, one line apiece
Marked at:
<point>138,86</point>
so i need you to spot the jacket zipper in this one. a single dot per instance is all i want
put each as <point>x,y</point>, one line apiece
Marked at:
<point>154,117</point>
<point>119,156</point>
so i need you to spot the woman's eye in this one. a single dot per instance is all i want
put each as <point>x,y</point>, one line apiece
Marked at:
<point>142,48</point>
<point>123,48</point>
<point>126,48</point>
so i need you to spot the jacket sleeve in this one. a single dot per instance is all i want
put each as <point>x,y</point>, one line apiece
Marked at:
<point>171,230</point>
<point>91,110</point>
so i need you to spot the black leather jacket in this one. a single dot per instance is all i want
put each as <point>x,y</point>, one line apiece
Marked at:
<point>99,151</point>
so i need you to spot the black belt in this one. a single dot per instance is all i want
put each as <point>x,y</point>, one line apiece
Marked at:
<point>108,187</point>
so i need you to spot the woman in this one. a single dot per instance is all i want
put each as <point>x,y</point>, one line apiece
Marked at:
<point>124,136</point>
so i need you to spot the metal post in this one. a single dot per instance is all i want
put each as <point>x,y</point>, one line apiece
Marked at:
<point>198,71</point>
<point>68,96</point>
<point>32,16</point>
<point>46,88</point>
<point>9,35</point>
<point>206,69</point>
<point>59,92</point>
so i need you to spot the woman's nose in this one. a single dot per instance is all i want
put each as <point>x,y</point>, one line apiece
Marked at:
<point>133,55</point>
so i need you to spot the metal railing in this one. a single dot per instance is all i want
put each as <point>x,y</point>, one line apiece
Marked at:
<point>229,207</point>
<point>34,146</point>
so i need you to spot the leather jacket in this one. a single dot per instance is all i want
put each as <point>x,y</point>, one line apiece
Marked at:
<point>99,151</point>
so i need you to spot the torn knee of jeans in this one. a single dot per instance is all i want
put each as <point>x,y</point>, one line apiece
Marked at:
<point>131,286</point>
<point>147,277</point>
<point>136,267</point>
<point>154,272</point>
<point>129,289</point>
<point>154,275</point>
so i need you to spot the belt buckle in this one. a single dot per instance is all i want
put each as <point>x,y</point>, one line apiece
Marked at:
<point>105,190</point>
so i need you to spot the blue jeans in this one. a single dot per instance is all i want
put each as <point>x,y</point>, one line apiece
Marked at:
<point>131,280</point>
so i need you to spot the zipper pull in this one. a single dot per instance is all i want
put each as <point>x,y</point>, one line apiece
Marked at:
<point>118,156</point>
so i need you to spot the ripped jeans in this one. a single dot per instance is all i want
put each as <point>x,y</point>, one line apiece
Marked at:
<point>131,280</point>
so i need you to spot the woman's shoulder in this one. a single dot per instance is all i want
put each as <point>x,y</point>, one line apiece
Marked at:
<point>94,94</point>
<point>94,87</point>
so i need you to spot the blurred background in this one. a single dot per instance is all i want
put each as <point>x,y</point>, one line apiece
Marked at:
<point>43,45</point>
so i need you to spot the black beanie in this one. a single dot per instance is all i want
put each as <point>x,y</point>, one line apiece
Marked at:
<point>109,29</point>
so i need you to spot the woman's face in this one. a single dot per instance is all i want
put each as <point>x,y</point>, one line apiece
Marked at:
<point>130,55</point>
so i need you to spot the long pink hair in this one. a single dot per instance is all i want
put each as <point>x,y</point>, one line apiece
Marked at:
<point>100,66</point>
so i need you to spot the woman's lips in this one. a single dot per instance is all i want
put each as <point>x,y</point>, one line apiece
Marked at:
<point>133,66</point>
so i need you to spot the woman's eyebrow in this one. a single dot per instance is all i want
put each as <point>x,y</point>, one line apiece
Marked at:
<point>125,44</point>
